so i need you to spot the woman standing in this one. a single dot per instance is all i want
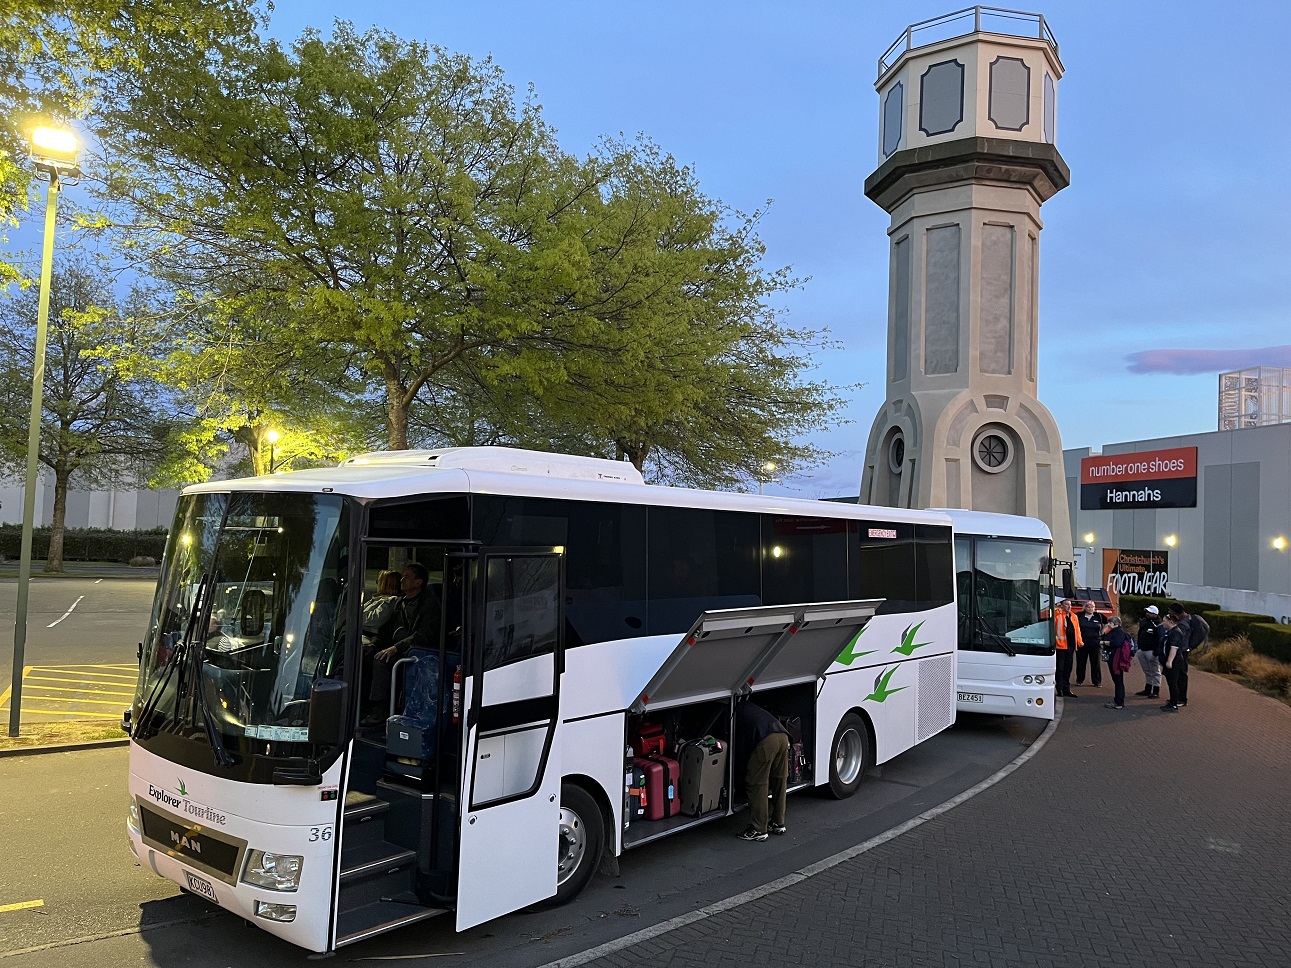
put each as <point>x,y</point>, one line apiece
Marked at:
<point>1118,652</point>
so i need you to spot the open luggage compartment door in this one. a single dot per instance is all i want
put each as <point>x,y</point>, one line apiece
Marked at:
<point>726,652</point>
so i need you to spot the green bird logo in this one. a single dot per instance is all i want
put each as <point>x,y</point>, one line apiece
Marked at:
<point>183,790</point>
<point>881,690</point>
<point>849,654</point>
<point>908,644</point>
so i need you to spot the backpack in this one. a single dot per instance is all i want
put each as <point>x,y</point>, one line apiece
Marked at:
<point>1198,631</point>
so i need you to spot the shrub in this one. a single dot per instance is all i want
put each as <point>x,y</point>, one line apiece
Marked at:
<point>87,544</point>
<point>1224,657</point>
<point>1271,640</point>
<point>1268,675</point>
<point>143,561</point>
<point>1227,625</point>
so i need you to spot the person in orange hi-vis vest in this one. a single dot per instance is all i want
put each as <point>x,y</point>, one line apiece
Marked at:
<point>1066,640</point>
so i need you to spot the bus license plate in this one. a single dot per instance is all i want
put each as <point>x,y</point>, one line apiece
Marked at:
<point>971,697</point>
<point>200,885</point>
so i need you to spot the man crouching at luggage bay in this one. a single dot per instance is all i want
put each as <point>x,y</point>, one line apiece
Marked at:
<point>763,741</point>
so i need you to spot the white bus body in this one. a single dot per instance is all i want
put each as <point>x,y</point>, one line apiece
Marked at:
<point>254,783</point>
<point>1004,591</point>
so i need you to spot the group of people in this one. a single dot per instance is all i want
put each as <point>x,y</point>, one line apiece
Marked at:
<point>1163,646</point>
<point>403,615</point>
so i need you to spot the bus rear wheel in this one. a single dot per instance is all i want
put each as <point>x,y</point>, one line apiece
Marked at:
<point>579,844</point>
<point>850,757</point>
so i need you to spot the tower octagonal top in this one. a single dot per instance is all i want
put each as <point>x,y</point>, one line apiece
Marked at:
<point>981,72</point>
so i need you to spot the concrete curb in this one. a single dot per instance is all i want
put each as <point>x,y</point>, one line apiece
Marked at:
<point>64,747</point>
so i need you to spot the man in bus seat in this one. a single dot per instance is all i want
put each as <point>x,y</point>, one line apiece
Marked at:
<point>1089,652</point>
<point>762,738</point>
<point>1066,639</point>
<point>414,624</point>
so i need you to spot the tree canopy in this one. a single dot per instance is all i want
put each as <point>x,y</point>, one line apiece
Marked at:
<point>357,223</point>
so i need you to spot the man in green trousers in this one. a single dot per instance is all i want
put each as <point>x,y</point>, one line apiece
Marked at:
<point>761,738</point>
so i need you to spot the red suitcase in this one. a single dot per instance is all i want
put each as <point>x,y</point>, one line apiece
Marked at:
<point>662,786</point>
<point>649,740</point>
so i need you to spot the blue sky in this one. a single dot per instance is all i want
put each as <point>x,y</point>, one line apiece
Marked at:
<point>1173,117</point>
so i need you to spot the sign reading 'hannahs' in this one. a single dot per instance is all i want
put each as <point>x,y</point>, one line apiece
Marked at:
<point>1147,479</point>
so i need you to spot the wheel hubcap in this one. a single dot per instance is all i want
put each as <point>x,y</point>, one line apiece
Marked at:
<point>848,757</point>
<point>571,846</point>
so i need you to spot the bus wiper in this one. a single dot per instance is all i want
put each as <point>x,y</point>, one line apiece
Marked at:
<point>987,637</point>
<point>222,756</point>
<point>142,728</point>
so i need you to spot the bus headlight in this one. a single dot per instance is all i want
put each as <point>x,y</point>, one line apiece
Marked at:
<point>1040,680</point>
<point>277,872</point>
<point>1027,679</point>
<point>133,820</point>
<point>275,912</point>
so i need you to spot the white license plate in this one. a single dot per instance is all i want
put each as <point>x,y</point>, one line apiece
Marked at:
<point>200,885</point>
<point>971,697</point>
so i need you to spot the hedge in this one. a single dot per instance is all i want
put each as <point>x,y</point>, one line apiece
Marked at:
<point>1134,605</point>
<point>1271,639</point>
<point>1228,625</point>
<point>86,544</point>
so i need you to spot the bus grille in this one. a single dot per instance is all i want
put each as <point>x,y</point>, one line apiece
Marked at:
<point>936,695</point>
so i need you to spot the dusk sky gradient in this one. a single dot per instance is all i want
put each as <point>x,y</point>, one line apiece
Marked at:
<point>1164,262</point>
<point>1171,243</point>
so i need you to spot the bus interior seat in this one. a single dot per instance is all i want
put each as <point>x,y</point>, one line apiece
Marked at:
<point>412,734</point>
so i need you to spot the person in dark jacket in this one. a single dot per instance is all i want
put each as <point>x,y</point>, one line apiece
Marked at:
<point>1175,658</point>
<point>1091,632</point>
<point>1195,633</point>
<point>1119,648</point>
<point>414,624</point>
<point>1149,646</point>
<point>761,738</point>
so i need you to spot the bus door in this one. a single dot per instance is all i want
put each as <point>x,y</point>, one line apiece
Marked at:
<point>510,795</point>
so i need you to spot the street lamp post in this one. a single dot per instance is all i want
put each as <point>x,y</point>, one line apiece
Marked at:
<point>767,470</point>
<point>54,153</point>
<point>272,437</point>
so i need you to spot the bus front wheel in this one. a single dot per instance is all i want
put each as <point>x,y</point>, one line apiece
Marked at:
<point>850,757</point>
<point>581,839</point>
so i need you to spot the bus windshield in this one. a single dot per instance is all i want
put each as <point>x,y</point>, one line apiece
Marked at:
<point>248,613</point>
<point>1003,596</point>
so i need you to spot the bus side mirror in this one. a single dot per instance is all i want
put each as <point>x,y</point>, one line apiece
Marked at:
<point>329,701</point>
<point>1068,584</point>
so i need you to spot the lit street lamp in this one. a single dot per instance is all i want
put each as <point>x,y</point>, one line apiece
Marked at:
<point>54,153</point>
<point>272,437</point>
<point>767,470</point>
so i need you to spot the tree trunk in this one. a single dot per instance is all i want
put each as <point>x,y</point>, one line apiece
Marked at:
<point>58,522</point>
<point>636,453</point>
<point>396,414</point>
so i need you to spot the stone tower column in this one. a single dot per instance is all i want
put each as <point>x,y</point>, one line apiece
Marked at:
<point>966,159</point>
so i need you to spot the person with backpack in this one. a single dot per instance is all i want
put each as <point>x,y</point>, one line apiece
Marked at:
<point>1119,652</point>
<point>1195,634</point>
<point>1149,646</point>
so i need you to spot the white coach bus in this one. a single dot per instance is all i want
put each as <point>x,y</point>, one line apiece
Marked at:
<point>575,602</point>
<point>1004,578</point>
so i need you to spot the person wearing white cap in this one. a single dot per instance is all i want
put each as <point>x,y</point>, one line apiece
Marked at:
<point>1149,648</point>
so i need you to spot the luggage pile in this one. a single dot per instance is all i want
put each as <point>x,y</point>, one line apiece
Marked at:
<point>691,781</point>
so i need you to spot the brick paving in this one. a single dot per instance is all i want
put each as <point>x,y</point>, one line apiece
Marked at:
<point>1134,838</point>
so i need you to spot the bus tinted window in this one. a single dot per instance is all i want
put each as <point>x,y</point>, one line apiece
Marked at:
<point>700,560</point>
<point>934,566</point>
<point>885,568</point>
<point>803,559</point>
<point>426,519</point>
<point>604,558</point>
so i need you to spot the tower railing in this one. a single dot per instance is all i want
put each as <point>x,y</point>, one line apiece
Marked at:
<point>970,20</point>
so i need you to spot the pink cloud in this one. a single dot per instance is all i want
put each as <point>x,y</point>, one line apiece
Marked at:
<point>1206,361</point>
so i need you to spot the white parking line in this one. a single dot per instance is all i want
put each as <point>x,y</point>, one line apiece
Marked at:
<point>65,614</point>
<point>98,581</point>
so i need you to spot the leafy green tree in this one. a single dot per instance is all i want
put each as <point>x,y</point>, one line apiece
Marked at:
<point>385,202</point>
<point>99,424</point>
<point>58,60</point>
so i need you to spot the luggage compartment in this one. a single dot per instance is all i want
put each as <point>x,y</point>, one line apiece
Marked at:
<point>789,704</point>
<point>678,725</point>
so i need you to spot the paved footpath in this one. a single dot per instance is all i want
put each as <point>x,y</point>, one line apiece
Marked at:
<point>1133,838</point>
